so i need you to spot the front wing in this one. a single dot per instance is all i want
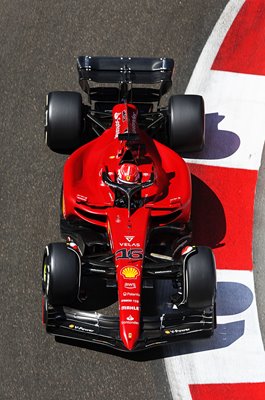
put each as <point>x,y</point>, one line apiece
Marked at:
<point>100,329</point>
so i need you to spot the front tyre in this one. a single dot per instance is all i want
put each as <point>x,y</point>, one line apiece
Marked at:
<point>60,274</point>
<point>200,278</point>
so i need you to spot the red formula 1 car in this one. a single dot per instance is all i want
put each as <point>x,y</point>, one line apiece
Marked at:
<point>125,208</point>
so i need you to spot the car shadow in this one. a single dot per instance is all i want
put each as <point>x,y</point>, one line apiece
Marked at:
<point>218,143</point>
<point>207,215</point>
<point>232,298</point>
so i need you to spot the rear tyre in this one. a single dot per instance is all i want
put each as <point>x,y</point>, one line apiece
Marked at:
<point>63,121</point>
<point>186,123</point>
<point>200,279</point>
<point>60,274</point>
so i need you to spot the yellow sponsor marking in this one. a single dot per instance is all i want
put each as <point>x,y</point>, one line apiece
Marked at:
<point>44,272</point>
<point>130,272</point>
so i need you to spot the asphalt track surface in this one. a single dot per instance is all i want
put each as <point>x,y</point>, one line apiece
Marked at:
<point>39,43</point>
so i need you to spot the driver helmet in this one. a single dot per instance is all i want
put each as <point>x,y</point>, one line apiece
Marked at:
<point>128,173</point>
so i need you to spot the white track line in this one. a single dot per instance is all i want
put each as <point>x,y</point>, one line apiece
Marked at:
<point>202,68</point>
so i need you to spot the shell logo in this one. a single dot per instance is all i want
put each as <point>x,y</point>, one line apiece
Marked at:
<point>130,272</point>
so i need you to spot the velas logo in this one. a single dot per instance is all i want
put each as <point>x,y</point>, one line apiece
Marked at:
<point>130,272</point>
<point>129,238</point>
<point>129,244</point>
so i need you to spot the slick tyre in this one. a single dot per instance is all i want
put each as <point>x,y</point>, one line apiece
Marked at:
<point>60,274</point>
<point>186,123</point>
<point>200,278</point>
<point>63,121</point>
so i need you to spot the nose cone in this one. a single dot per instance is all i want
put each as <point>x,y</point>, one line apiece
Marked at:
<point>129,336</point>
<point>128,244</point>
<point>129,291</point>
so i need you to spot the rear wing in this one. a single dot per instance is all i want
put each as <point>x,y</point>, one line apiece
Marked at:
<point>125,69</point>
<point>109,80</point>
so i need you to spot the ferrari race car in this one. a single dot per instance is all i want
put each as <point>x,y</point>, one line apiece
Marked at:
<point>126,208</point>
